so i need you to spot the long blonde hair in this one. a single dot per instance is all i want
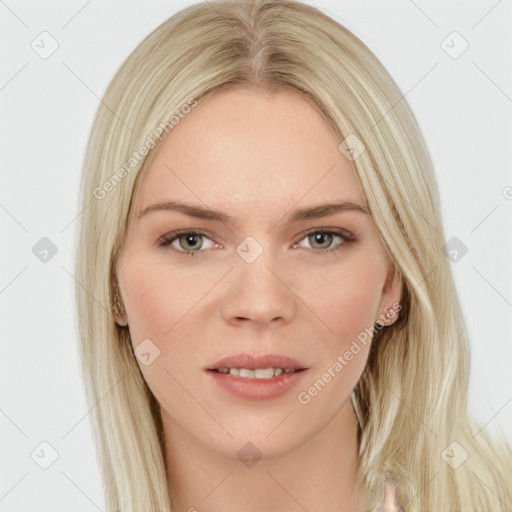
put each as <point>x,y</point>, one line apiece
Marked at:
<point>412,396</point>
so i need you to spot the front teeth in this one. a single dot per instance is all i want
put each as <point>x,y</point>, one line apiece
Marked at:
<point>259,373</point>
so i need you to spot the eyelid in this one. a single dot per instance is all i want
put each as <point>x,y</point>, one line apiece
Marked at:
<point>344,233</point>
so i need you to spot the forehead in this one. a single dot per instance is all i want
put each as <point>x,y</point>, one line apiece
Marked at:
<point>241,151</point>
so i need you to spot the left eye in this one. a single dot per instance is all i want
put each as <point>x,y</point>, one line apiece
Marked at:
<point>324,239</point>
<point>190,244</point>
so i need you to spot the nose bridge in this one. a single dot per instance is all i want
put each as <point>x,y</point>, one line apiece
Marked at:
<point>259,261</point>
<point>258,289</point>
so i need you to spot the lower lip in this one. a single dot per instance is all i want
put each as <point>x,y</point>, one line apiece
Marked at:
<point>253,388</point>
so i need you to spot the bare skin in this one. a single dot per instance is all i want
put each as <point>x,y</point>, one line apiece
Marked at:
<point>258,159</point>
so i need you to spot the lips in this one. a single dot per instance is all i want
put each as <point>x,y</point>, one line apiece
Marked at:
<point>260,385</point>
<point>253,362</point>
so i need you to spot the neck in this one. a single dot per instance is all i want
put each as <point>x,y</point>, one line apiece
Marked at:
<point>321,475</point>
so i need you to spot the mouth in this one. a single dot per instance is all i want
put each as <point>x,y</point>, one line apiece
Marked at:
<point>252,366</point>
<point>256,377</point>
<point>257,373</point>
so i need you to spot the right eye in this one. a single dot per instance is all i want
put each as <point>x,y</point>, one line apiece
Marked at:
<point>189,241</point>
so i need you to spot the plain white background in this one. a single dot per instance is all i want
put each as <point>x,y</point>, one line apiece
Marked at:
<point>463,104</point>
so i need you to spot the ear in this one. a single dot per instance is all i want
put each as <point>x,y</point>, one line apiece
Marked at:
<point>120,316</point>
<point>390,306</point>
<point>118,308</point>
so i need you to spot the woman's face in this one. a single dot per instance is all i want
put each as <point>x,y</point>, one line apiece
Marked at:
<point>260,283</point>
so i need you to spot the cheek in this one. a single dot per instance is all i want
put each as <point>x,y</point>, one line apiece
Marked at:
<point>157,297</point>
<point>157,300</point>
<point>146,300</point>
<point>347,304</point>
<point>163,305</point>
<point>345,297</point>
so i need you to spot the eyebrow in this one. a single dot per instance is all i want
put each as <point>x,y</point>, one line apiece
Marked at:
<point>313,212</point>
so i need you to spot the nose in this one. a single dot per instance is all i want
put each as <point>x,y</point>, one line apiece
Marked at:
<point>259,294</point>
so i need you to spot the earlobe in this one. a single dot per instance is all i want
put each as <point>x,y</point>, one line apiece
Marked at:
<point>389,316</point>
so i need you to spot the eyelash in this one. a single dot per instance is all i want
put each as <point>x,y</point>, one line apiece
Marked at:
<point>346,236</point>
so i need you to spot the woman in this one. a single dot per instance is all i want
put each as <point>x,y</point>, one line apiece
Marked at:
<point>241,365</point>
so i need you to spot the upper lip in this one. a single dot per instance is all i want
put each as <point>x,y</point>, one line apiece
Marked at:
<point>253,361</point>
